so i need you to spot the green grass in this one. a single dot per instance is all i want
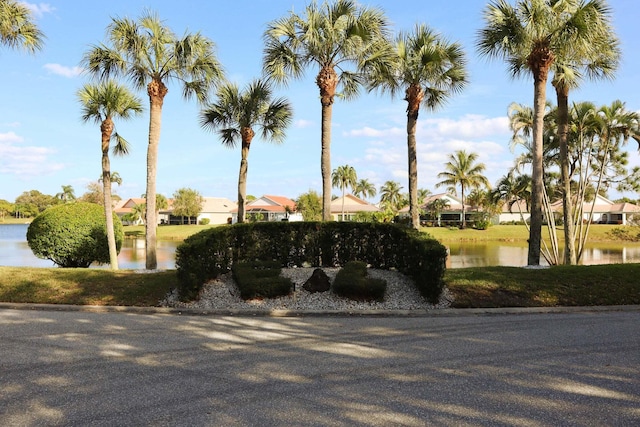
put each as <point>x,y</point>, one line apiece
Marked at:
<point>612,284</point>
<point>167,232</point>
<point>84,286</point>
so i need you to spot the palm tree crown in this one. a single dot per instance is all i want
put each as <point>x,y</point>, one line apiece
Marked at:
<point>343,177</point>
<point>150,55</point>
<point>364,188</point>
<point>341,39</point>
<point>17,29</point>
<point>234,116</point>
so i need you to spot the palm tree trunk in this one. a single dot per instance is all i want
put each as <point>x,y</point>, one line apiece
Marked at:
<point>464,213</point>
<point>325,162</point>
<point>242,182</point>
<point>562,93</point>
<point>343,201</point>
<point>412,120</point>
<point>106,129</point>
<point>157,91</point>
<point>535,232</point>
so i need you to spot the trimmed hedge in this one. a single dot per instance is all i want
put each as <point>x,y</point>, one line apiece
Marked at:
<point>260,279</point>
<point>209,253</point>
<point>352,282</point>
<point>73,235</point>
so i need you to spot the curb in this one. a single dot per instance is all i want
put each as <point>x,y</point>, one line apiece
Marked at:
<point>437,312</point>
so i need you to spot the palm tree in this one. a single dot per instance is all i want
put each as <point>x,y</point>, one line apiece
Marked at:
<point>150,55</point>
<point>67,194</point>
<point>391,196</point>
<point>17,29</point>
<point>462,170</point>
<point>428,70</point>
<point>595,52</point>
<point>101,104</point>
<point>364,188</point>
<point>235,114</point>
<point>529,37</point>
<point>343,177</point>
<point>335,37</point>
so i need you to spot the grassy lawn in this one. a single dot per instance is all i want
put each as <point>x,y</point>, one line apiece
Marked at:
<point>167,232</point>
<point>83,286</point>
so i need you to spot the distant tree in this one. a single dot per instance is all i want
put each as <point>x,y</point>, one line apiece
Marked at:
<point>187,203</point>
<point>17,27</point>
<point>463,171</point>
<point>34,202</point>
<point>435,207</point>
<point>423,193</point>
<point>151,55</point>
<point>236,114</point>
<point>364,189</point>
<point>309,204</point>
<point>6,209</point>
<point>334,36</point>
<point>343,177</point>
<point>390,196</point>
<point>67,194</point>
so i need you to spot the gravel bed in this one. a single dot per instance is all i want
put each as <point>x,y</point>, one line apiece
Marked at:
<point>222,293</point>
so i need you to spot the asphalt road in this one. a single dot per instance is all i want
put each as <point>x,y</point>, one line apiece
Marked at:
<point>121,369</point>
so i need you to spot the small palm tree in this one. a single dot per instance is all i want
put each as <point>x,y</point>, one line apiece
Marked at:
<point>343,177</point>
<point>530,36</point>
<point>427,70</point>
<point>101,104</point>
<point>17,29</point>
<point>336,37</point>
<point>150,55</point>
<point>236,113</point>
<point>391,196</point>
<point>67,194</point>
<point>463,171</point>
<point>364,188</point>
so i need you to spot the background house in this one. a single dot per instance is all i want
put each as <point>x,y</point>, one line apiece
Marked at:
<point>352,205</point>
<point>269,208</point>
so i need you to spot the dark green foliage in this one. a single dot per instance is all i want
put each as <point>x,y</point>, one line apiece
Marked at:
<point>73,235</point>
<point>211,252</point>
<point>352,282</point>
<point>260,279</point>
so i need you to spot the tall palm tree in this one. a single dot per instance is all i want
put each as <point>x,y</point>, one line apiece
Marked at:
<point>151,56</point>
<point>364,188</point>
<point>529,37</point>
<point>391,196</point>
<point>343,177</point>
<point>341,38</point>
<point>595,53</point>
<point>236,113</point>
<point>427,70</point>
<point>463,171</point>
<point>102,104</point>
<point>17,29</point>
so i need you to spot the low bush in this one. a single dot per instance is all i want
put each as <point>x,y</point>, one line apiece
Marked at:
<point>73,235</point>
<point>205,221</point>
<point>209,253</point>
<point>260,279</point>
<point>352,282</point>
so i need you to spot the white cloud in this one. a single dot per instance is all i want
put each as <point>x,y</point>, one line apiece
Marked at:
<point>62,70</point>
<point>376,133</point>
<point>301,124</point>
<point>24,160</point>
<point>469,126</point>
<point>39,9</point>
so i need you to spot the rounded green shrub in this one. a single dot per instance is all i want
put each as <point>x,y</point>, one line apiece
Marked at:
<point>73,235</point>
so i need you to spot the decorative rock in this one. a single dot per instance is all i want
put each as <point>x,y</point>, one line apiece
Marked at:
<point>318,282</point>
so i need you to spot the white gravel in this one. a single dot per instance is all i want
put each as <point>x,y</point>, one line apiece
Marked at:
<point>222,293</point>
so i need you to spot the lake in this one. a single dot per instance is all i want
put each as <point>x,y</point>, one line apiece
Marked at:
<point>15,252</point>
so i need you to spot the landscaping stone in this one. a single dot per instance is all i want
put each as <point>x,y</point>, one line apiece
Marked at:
<point>318,282</point>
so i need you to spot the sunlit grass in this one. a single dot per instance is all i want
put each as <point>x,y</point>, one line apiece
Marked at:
<point>612,284</point>
<point>509,233</point>
<point>84,286</point>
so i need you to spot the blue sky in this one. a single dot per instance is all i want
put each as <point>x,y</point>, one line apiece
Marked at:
<point>44,144</point>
